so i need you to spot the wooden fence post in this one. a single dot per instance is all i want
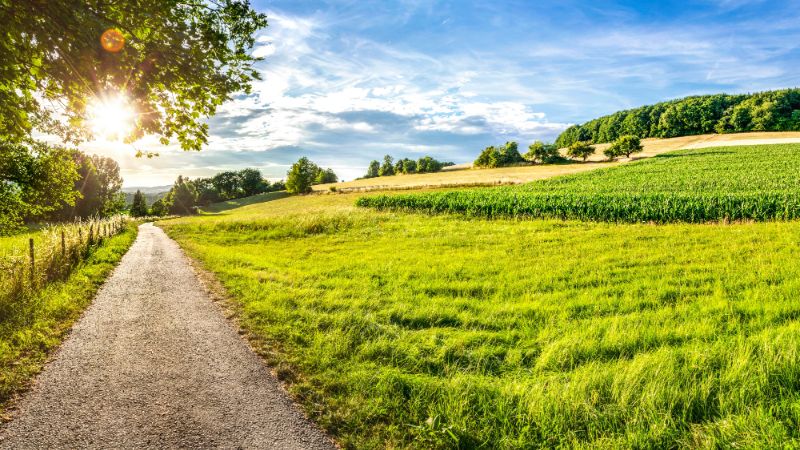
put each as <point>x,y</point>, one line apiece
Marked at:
<point>91,232</point>
<point>33,263</point>
<point>63,245</point>
<point>80,236</point>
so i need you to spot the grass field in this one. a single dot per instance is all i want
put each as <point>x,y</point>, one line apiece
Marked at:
<point>463,175</point>
<point>414,331</point>
<point>33,325</point>
<point>733,183</point>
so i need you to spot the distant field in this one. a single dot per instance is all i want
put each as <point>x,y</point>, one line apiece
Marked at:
<point>733,183</point>
<point>413,331</point>
<point>515,175</point>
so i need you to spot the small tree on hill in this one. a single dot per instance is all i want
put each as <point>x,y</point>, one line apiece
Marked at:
<point>387,168</point>
<point>373,170</point>
<point>326,176</point>
<point>509,155</point>
<point>409,166</point>
<point>139,206</point>
<point>627,145</point>
<point>182,197</point>
<point>301,176</point>
<point>580,149</point>
<point>541,152</point>
<point>488,157</point>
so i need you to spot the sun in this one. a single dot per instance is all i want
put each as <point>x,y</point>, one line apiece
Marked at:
<point>111,118</point>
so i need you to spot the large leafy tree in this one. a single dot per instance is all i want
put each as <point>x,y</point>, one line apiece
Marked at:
<point>34,181</point>
<point>175,61</point>
<point>301,176</point>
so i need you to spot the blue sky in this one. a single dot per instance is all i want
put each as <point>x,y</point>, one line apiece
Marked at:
<point>345,82</point>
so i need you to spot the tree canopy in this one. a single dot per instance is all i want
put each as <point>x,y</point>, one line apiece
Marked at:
<point>722,113</point>
<point>174,61</point>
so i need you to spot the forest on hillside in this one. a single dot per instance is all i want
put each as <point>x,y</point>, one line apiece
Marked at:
<point>720,113</point>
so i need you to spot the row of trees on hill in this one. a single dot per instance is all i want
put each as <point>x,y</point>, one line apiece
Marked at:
<point>186,194</point>
<point>509,155</point>
<point>390,167</point>
<point>39,182</point>
<point>722,113</point>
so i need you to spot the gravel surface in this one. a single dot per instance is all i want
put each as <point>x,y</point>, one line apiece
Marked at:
<point>154,364</point>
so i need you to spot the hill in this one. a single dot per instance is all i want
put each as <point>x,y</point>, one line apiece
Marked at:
<point>151,193</point>
<point>735,183</point>
<point>464,175</point>
<point>721,113</point>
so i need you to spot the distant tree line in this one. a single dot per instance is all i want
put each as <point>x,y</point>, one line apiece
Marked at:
<point>390,167</point>
<point>186,194</point>
<point>39,182</point>
<point>722,113</point>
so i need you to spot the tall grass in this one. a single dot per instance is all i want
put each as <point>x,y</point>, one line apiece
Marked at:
<point>409,331</point>
<point>57,250</point>
<point>737,183</point>
<point>36,316</point>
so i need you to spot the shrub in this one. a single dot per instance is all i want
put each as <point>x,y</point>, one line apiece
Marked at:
<point>626,145</point>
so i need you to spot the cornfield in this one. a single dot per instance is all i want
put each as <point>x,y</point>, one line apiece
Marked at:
<point>758,183</point>
<point>27,265</point>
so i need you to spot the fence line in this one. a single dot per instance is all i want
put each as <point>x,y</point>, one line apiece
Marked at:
<point>51,256</point>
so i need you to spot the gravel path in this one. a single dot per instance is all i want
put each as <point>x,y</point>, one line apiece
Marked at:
<point>154,364</point>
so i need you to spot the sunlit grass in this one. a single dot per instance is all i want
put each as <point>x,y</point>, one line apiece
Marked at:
<point>412,331</point>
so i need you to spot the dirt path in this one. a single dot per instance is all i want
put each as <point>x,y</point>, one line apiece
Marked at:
<point>154,364</point>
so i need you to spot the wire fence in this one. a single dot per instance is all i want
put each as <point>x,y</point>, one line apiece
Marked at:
<point>51,255</point>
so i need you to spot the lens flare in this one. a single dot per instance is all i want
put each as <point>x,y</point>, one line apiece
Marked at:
<point>112,40</point>
<point>111,118</point>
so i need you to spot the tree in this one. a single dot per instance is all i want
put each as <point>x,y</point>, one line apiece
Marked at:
<point>35,181</point>
<point>109,182</point>
<point>580,149</point>
<point>301,176</point>
<point>612,153</point>
<point>159,208</point>
<point>409,166</point>
<point>373,170</point>
<point>541,152</point>
<point>626,145</point>
<point>182,198</point>
<point>227,185</point>
<point>488,157</point>
<point>325,176</point>
<point>174,61</point>
<point>509,155</point>
<point>387,168</point>
<point>139,206</point>
<point>427,164</point>
<point>207,193</point>
<point>251,182</point>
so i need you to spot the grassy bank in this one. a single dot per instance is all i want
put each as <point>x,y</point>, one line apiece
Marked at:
<point>735,183</point>
<point>413,331</point>
<point>34,324</point>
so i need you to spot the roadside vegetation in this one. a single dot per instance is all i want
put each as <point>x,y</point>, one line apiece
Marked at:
<point>730,184</point>
<point>721,113</point>
<point>414,331</point>
<point>37,308</point>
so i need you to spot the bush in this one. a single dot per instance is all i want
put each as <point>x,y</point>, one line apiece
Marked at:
<point>580,149</point>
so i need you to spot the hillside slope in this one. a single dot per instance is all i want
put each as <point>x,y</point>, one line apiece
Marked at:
<point>464,175</point>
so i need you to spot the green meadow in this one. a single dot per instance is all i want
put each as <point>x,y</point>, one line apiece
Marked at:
<point>399,330</point>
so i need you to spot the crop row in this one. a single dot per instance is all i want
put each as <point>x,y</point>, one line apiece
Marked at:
<point>658,207</point>
<point>742,183</point>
